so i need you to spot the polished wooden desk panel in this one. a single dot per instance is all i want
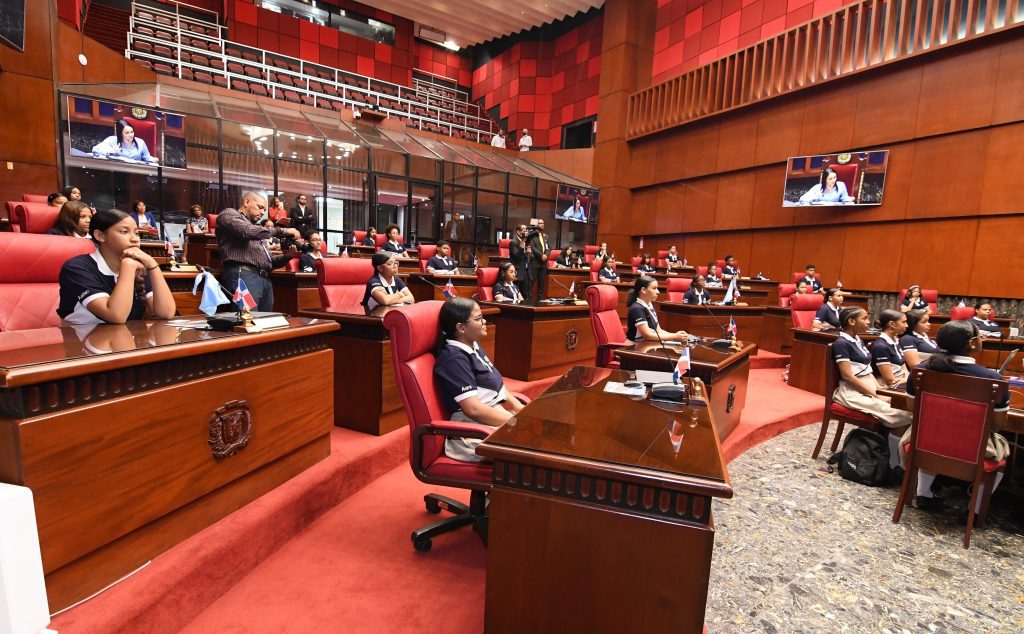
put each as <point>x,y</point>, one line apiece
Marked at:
<point>133,437</point>
<point>427,286</point>
<point>600,512</point>
<point>560,280</point>
<point>710,320</point>
<point>195,248</point>
<point>938,320</point>
<point>294,292</point>
<point>856,299</point>
<point>725,373</point>
<point>776,330</point>
<point>181,284</point>
<point>540,341</point>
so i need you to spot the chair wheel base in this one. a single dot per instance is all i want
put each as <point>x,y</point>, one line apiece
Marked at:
<point>474,515</point>
<point>422,545</point>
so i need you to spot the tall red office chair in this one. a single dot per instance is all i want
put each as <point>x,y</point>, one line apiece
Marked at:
<point>635,262</point>
<point>595,266</point>
<point>486,278</point>
<point>342,281</point>
<point>146,130</point>
<point>841,413</point>
<point>34,198</point>
<point>29,271</point>
<point>503,247</point>
<point>662,254</point>
<point>359,236</point>
<point>786,292</point>
<point>552,256</point>
<point>604,319</point>
<point>381,239</point>
<point>426,251</point>
<point>953,419</point>
<point>589,252</point>
<point>956,312</point>
<point>211,222</point>
<point>929,295</point>
<point>292,265</point>
<point>802,308</point>
<point>720,264</point>
<point>676,287</point>
<point>849,175</point>
<point>702,270</point>
<point>34,217</point>
<point>797,276</point>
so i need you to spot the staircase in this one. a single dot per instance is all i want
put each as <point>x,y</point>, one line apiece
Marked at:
<point>108,26</point>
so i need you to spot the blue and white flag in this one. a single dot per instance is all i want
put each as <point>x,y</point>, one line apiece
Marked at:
<point>731,292</point>
<point>212,295</point>
<point>733,330</point>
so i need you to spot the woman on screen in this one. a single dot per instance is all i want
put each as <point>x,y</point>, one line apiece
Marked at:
<point>576,212</point>
<point>828,190</point>
<point>124,145</point>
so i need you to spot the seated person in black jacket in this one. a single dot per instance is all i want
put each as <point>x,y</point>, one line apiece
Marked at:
<point>730,267</point>
<point>506,289</point>
<point>887,359</point>
<point>672,259</point>
<point>73,220</point>
<point>567,259</point>
<point>371,237</point>
<point>392,245</point>
<point>917,346</point>
<point>698,293</point>
<point>827,317</point>
<point>642,322</point>
<point>982,313</point>
<point>608,272</point>
<point>713,278</point>
<point>646,264</point>
<point>442,263</point>
<point>310,252</point>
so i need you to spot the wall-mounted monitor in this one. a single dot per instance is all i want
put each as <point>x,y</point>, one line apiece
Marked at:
<point>841,179</point>
<point>113,132</point>
<point>577,204</point>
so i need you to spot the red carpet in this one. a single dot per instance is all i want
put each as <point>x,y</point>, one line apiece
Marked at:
<point>772,408</point>
<point>765,359</point>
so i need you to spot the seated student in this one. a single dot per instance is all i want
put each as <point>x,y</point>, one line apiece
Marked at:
<point>713,278</point>
<point>443,262</point>
<point>642,322</point>
<point>392,245</point>
<point>802,287</point>
<point>115,283</point>
<point>371,237</point>
<point>73,220</point>
<point>858,389</point>
<point>143,218</point>
<point>506,289</point>
<point>385,288</point>
<point>988,328</point>
<point>307,259</point>
<point>602,252</point>
<point>956,342</point>
<point>273,243</point>
<point>672,259</point>
<point>827,317</point>
<point>730,267</point>
<point>608,272</point>
<point>567,259</point>
<point>917,346</point>
<point>812,282</point>
<point>646,264</point>
<point>886,352</point>
<point>697,293</point>
<point>470,387</point>
<point>914,301</point>
<point>197,221</point>
<point>56,199</point>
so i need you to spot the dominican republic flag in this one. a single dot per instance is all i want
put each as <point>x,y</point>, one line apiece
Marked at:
<point>449,289</point>
<point>641,244</point>
<point>572,288</point>
<point>344,253</point>
<point>961,304</point>
<point>243,298</point>
<point>839,284</point>
<point>682,365</point>
<point>732,328</point>
<point>169,247</point>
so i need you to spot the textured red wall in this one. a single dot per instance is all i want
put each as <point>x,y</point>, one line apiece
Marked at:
<point>691,33</point>
<point>441,61</point>
<point>544,85</point>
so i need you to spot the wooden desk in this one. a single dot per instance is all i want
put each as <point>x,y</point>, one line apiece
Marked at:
<point>294,292</point>
<point>566,277</point>
<point>856,299</point>
<point>427,286</point>
<point>181,284</point>
<point>777,330</point>
<point>156,250</point>
<point>125,434</point>
<point>938,320</point>
<point>709,320</point>
<point>196,248</point>
<point>725,373</point>
<point>366,397</point>
<point>540,341</point>
<point>600,513</point>
<point>359,251</point>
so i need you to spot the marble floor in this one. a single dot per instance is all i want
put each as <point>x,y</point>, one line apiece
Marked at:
<point>801,550</point>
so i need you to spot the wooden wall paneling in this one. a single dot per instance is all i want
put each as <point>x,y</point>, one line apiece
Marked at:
<point>670,208</point>
<point>645,207</point>
<point>670,156</point>
<point>105,65</point>
<point>737,139</point>
<point>872,255</point>
<point>822,246</point>
<point>642,163</point>
<point>952,241</point>
<point>28,132</point>
<point>997,268</point>
<point>699,204</point>
<point>1008,103</point>
<point>616,211</point>
<point>36,58</point>
<point>1002,178</point>
<point>26,178</point>
<point>771,254</point>
<point>778,131</point>
<point>702,144</point>
<point>700,248</point>
<point>735,200</point>
<point>769,185</point>
<point>736,244</point>
<point>945,105</point>
<point>882,112</point>
<point>947,175</point>
<point>828,120</point>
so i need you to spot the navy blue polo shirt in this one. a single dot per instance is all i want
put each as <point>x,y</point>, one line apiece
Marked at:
<point>640,313</point>
<point>509,291</point>
<point>712,280</point>
<point>368,241</point>
<point>885,351</point>
<point>969,367</point>
<point>693,297</point>
<point>847,349</point>
<point>461,372</point>
<point>673,259</point>
<point>915,303</point>
<point>828,314</point>
<point>442,264</point>
<point>85,278</point>
<point>608,274</point>
<point>646,268</point>
<point>990,327</point>
<point>812,282</point>
<point>393,247</point>
<point>378,282</point>
<point>729,270</point>
<point>922,343</point>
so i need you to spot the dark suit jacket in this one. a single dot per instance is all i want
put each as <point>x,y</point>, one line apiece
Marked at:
<point>461,231</point>
<point>303,220</point>
<point>535,248</point>
<point>517,254</point>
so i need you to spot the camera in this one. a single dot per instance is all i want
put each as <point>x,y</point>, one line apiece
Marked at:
<point>531,231</point>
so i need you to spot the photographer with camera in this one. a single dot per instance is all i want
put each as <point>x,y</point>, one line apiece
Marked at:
<point>518,252</point>
<point>539,252</point>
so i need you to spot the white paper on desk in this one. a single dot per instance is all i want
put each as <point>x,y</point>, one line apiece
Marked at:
<point>613,387</point>
<point>185,323</point>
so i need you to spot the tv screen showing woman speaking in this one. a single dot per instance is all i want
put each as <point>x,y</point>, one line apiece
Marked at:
<point>128,134</point>
<point>576,204</point>
<point>845,178</point>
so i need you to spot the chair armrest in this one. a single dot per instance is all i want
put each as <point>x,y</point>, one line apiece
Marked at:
<point>447,429</point>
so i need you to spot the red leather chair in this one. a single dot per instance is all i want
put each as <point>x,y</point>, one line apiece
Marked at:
<point>359,236</point>
<point>848,174</point>
<point>342,281</point>
<point>720,264</point>
<point>953,418</point>
<point>146,130</point>
<point>34,198</point>
<point>589,252</point>
<point>292,265</point>
<point>786,291</point>
<point>799,276</point>
<point>956,313</point>
<point>929,295</point>
<point>662,253</point>
<point>29,271</point>
<point>486,278</point>
<point>34,217</point>
<point>634,262</point>
<point>841,413</point>
<point>802,308</point>
<point>503,247</point>
<point>604,319</point>
<point>426,252</point>
<point>595,266</point>
<point>702,270</point>
<point>211,222</point>
<point>552,256</point>
<point>676,287</point>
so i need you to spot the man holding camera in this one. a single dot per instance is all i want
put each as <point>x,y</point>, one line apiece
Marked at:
<point>518,254</point>
<point>539,251</point>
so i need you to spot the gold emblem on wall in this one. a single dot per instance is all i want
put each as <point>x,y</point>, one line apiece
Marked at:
<point>572,337</point>
<point>843,159</point>
<point>230,429</point>
<point>139,113</point>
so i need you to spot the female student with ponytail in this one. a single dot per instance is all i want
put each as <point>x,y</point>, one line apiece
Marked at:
<point>642,321</point>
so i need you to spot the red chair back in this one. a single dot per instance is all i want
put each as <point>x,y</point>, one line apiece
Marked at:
<point>702,270</point>
<point>848,174</point>
<point>786,291</point>
<point>604,319</point>
<point>292,265</point>
<point>29,272</point>
<point>426,252</point>
<point>486,278</point>
<point>967,312</point>
<point>555,253</point>
<point>802,308</point>
<point>676,287</point>
<point>595,266</point>
<point>381,239</point>
<point>211,222</point>
<point>359,236</point>
<point>953,425</point>
<point>342,281</point>
<point>503,247</point>
<point>720,264</point>
<point>799,276</point>
<point>35,217</point>
<point>929,295</point>
<point>145,130</point>
<point>34,198</point>
<point>662,253</point>
<point>634,262</point>
<point>589,251</point>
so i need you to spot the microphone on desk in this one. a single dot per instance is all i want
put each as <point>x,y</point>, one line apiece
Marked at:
<point>572,292</point>
<point>673,392</point>
<point>721,343</point>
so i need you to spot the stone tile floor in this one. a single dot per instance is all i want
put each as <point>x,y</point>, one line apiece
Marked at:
<point>801,550</point>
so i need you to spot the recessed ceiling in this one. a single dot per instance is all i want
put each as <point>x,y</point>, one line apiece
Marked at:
<point>469,22</point>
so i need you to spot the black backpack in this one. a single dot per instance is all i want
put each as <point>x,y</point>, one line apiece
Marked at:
<point>864,458</point>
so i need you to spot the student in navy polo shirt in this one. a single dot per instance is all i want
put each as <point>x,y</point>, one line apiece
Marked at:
<point>371,237</point>
<point>988,328</point>
<point>442,262</point>
<point>642,322</point>
<point>646,264</point>
<point>730,267</point>
<point>392,244</point>
<point>858,389</point>
<point>697,293</point>
<point>713,278</point>
<point>812,282</point>
<point>385,288</point>
<point>827,317</point>
<point>914,301</point>
<point>672,258</point>
<point>917,346</point>
<point>115,283</point>
<point>506,289</point>
<point>470,387</point>
<point>608,272</point>
<point>886,353</point>
<point>957,341</point>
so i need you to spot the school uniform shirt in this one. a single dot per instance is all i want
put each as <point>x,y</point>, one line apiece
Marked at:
<point>729,270</point>
<point>393,247</point>
<point>440,264</point>
<point>671,259</point>
<point>368,241</point>
<point>86,278</point>
<point>917,303</point>
<point>646,268</point>
<point>307,262</point>
<point>853,351</point>
<point>990,327</point>
<point>968,366</point>
<point>887,351</point>
<point>828,314</point>
<point>712,280</point>
<point>378,282</point>
<point>640,312</point>
<point>566,262</point>
<point>509,291</point>
<point>917,341</point>
<point>608,274</point>
<point>693,297</point>
<point>461,372</point>
<point>812,282</point>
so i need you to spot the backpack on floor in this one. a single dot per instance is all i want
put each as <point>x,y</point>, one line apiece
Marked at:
<point>864,458</point>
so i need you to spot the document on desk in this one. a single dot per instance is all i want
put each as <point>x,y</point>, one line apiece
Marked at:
<point>613,387</point>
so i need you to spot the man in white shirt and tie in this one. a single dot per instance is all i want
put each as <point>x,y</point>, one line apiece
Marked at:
<point>525,141</point>
<point>498,140</point>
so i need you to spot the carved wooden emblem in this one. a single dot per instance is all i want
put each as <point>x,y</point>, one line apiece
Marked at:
<point>572,337</point>
<point>230,429</point>
<point>730,402</point>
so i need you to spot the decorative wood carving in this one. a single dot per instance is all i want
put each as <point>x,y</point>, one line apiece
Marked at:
<point>230,429</point>
<point>572,338</point>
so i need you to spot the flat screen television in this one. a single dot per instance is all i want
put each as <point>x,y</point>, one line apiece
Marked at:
<point>113,132</point>
<point>841,179</point>
<point>577,204</point>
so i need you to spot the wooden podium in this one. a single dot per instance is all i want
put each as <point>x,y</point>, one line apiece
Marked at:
<point>600,514</point>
